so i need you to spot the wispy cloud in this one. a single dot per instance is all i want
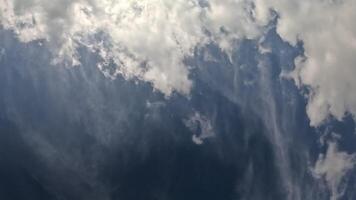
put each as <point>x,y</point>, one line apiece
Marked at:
<point>333,167</point>
<point>201,126</point>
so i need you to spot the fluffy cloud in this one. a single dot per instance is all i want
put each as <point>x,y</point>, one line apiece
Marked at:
<point>328,31</point>
<point>333,167</point>
<point>148,40</point>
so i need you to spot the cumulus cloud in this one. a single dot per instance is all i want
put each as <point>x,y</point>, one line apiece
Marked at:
<point>147,40</point>
<point>150,39</point>
<point>333,167</point>
<point>328,31</point>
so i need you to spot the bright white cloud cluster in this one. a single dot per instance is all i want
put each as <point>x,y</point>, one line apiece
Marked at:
<point>327,29</point>
<point>149,39</point>
<point>145,39</point>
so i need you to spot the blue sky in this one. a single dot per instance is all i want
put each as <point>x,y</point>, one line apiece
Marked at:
<point>213,99</point>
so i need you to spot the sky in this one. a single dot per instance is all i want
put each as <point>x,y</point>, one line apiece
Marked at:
<point>256,87</point>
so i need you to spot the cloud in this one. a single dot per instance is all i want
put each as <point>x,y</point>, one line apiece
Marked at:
<point>2,53</point>
<point>333,167</point>
<point>328,31</point>
<point>201,126</point>
<point>147,40</point>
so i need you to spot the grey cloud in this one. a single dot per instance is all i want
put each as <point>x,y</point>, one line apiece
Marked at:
<point>201,126</point>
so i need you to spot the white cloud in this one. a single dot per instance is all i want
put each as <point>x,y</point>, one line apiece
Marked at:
<point>328,30</point>
<point>145,39</point>
<point>201,126</point>
<point>149,39</point>
<point>333,167</point>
